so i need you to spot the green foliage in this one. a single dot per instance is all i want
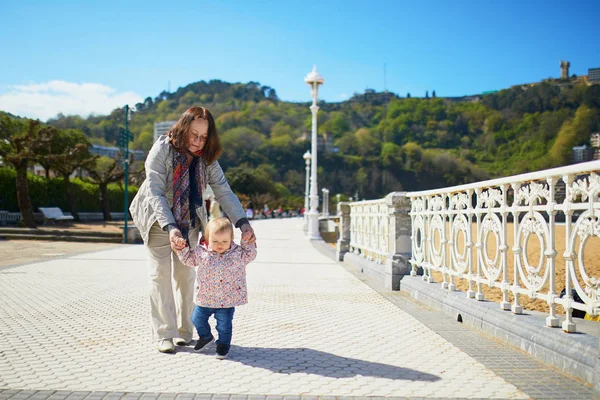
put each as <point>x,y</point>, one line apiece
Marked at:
<point>245,180</point>
<point>571,133</point>
<point>50,193</point>
<point>385,142</point>
<point>144,141</point>
<point>239,143</point>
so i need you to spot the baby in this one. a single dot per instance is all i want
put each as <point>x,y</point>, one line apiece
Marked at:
<point>220,282</point>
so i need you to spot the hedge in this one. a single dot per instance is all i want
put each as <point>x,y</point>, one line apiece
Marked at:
<point>51,193</point>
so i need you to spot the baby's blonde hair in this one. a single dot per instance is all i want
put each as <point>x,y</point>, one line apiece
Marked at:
<point>218,225</point>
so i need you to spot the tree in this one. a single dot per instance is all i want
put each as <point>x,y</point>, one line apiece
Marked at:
<point>73,153</point>
<point>46,162</point>
<point>106,170</point>
<point>433,94</point>
<point>144,141</point>
<point>366,143</point>
<point>20,144</point>
<point>337,124</point>
<point>408,95</point>
<point>249,182</point>
<point>427,94</point>
<point>239,142</point>
<point>572,133</point>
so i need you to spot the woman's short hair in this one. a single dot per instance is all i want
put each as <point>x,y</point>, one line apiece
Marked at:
<point>179,133</point>
<point>218,225</point>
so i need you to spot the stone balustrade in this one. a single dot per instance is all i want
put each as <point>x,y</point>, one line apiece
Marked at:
<point>377,231</point>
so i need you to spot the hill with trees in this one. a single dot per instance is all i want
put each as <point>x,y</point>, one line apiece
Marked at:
<point>382,142</point>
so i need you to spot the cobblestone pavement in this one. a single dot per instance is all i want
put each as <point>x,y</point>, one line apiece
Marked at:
<point>78,328</point>
<point>19,252</point>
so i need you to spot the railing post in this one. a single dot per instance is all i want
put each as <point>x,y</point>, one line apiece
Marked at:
<point>343,243</point>
<point>516,307</point>
<point>399,245</point>
<point>568,325</point>
<point>469,242</point>
<point>550,253</point>
<point>503,248</point>
<point>479,246</point>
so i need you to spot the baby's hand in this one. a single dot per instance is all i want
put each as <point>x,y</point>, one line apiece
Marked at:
<point>246,243</point>
<point>180,242</point>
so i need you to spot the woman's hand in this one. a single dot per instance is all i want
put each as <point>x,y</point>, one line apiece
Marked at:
<point>248,234</point>
<point>176,239</point>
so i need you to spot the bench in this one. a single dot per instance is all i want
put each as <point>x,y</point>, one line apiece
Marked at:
<point>7,217</point>
<point>54,214</point>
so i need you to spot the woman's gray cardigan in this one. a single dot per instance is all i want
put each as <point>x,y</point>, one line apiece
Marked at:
<point>154,200</point>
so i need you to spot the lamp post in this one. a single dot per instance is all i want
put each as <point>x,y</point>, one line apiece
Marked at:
<point>125,136</point>
<point>313,79</point>
<point>307,158</point>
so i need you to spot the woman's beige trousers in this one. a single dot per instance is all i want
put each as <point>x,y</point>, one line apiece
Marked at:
<point>172,287</point>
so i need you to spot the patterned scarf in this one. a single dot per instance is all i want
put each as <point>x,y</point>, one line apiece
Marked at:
<point>184,217</point>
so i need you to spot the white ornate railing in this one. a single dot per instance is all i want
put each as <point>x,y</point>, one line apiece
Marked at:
<point>378,231</point>
<point>369,226</point>
<point>442,221</point>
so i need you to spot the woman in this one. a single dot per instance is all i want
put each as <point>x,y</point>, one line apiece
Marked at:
<point>169,206</point>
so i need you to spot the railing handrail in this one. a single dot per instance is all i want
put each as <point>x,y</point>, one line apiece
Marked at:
<point>582,168</point>
<point>366,202</point>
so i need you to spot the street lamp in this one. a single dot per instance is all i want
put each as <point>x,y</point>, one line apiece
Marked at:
<point>125,136</point>
<point>307,158</point>
<point>314,80</point>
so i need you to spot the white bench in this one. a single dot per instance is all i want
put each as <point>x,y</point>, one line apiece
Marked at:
<point>54,214</point>
<point>7,217</point>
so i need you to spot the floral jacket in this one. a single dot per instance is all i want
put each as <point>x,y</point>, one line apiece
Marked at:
<point>220,278</point>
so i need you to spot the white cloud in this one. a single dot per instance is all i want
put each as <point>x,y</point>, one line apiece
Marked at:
<point>46,100</point>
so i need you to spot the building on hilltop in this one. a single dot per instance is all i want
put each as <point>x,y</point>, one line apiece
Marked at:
<point>564,69</point>
<point>475,98</point>
<point>593,76</point>
<point>564,79</point>
<point>324,142</point>
<point>161,128</point>
<point>595,142</point>
<point>581,153</point>
<point>138,155</point>
<point>106,151</point>
<point>584,153</point>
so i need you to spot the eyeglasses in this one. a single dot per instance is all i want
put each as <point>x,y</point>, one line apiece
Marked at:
<point>198,138</point>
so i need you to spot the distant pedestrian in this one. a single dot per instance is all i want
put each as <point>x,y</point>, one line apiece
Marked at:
<point>220,281</point>
<point>250,210</point>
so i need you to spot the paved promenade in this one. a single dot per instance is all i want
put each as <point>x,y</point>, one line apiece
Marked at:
<point>78,327</point>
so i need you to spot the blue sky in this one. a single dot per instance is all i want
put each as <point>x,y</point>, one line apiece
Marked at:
<point>81,57</point>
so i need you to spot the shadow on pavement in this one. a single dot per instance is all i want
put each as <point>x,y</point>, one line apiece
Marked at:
<point>309,361</point>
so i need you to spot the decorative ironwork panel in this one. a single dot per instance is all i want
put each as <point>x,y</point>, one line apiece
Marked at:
<point>519,213</point>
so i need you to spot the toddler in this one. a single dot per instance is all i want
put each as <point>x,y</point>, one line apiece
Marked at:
<point>220,282</point>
